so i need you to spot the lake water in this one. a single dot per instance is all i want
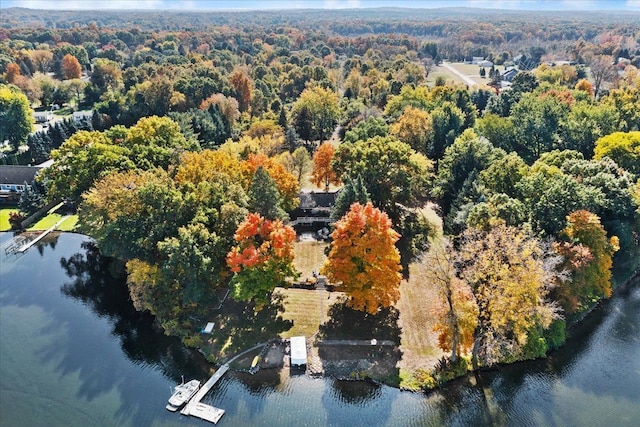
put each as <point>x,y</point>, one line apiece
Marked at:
<point>73,352</point>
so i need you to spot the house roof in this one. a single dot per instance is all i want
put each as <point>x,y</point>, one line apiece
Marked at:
<point>310,200</point>
<point>18,174</point>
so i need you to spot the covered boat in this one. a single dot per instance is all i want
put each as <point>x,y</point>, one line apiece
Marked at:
<point>182,394</point>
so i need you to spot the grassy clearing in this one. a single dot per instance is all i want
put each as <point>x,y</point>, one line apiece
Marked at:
<point>306,309</point>
<point>442,72</point>
<point>4,218</point>
<point>309,257</point>
<point>419,344</point>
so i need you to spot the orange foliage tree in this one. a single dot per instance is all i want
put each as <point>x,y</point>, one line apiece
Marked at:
<point>363,260</point>
<point>323,173</point>
<point>243,87</point>
<point>70,67</point>
<point>585,86</point>
<point>13,71</point>
<point>262,259</point>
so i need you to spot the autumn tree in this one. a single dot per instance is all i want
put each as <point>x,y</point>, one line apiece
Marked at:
<point>414,127</point>
<point>202,166</point>
<point>16,116</point>
<point>457,311</point>
<point>175,239</point>
<point>623,148</point>
<point>589,255</point>
<point>262,258</point>
<point>228,106</point>
<point>298,162</point>
<point>510,275</point>
<point>315,113</point>
<point>70,67</point>
<point>585,86</point>
<point>323,173</point>
<point>243,87</point>
<point>363,260</point>
<point>12,73</point>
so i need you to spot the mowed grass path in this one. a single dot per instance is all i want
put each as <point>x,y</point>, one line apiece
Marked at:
<point>50,220</point>
<point>417,305</point>
<point>307,309</point>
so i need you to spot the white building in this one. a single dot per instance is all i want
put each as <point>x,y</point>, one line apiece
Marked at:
<point>298,351</point>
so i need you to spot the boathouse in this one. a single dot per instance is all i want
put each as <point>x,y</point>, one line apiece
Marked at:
<point>298,351</point>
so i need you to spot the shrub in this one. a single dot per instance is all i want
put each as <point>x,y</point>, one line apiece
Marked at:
<point>15,220</point>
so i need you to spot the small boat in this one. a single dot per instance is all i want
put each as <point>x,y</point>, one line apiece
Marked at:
<point>182,394</point>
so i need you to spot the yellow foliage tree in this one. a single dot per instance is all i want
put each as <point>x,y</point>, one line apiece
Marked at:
<point>510,278</point>
<point>196,167</point>
<point>414,127</point>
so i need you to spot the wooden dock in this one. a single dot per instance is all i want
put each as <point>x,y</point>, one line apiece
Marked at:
<point>201,410</point>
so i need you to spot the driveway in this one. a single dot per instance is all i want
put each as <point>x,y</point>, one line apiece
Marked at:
<point>466,79</point>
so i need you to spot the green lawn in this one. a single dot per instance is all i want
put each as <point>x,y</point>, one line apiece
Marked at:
<point>51,219</point>
<point>4,218</point>
<point>309,257</point>
<point>306,309</point>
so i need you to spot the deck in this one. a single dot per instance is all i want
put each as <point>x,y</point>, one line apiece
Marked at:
<point>201,410</point>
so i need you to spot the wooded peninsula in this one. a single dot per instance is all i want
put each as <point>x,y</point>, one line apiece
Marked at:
<point>466,182</point>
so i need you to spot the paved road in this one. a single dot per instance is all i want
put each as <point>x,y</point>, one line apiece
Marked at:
<point>466,79</point>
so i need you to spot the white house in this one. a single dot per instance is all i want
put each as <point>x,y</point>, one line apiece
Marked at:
<point>485,64</point>
<point>42,116</point>
<point>82,115</point>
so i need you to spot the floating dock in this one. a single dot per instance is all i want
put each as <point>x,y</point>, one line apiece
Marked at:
<point>206,412</point>
<point>201,410</point>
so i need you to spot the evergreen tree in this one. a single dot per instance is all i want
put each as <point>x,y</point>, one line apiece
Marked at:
<point>352,192</point>
<point>30,200</point>
<point>38,148</point>
<point>58,135</point>
<point>264,197</point>
<point>292,139</point>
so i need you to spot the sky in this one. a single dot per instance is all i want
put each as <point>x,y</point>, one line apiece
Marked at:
<point>321,4</point>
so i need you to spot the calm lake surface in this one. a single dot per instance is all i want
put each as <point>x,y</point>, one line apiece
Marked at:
<point>73,352</point>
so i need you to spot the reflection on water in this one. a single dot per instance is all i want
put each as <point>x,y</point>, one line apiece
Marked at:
<point>73,351</point>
